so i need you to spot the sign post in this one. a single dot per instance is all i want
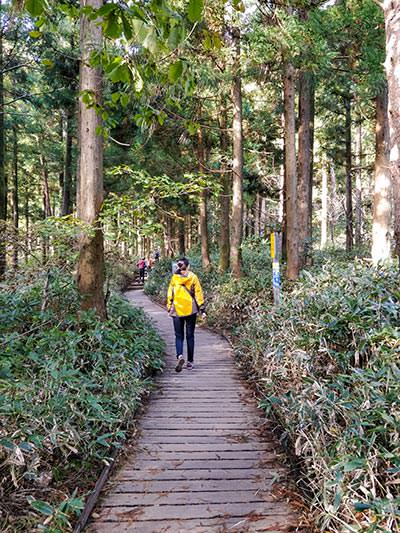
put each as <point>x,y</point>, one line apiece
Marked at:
<point>276,274</point>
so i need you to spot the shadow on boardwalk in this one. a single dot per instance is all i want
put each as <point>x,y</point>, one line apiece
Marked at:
<point>203,460</point>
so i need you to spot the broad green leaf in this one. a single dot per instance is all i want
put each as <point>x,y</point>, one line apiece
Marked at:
<point>48,63</point>
<point>35,34</point>
<point>112,27</point>
<point>42,507</point>
<point>35,7</point>
<point>175,71</point>
<point>151,42</point>
<point>105,10</point>
<point>124,100</point>
<point>127,28</point>
<point>115,97</point>
<point>195,10</point>
<point>174,37</point>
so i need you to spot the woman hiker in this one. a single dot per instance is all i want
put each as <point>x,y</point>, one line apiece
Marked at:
<point>185,299</point>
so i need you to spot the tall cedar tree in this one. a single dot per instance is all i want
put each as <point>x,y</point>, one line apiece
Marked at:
<point>392,65</point>
<point>91,246</point>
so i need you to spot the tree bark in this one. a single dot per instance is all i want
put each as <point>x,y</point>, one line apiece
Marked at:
<point>392,66</point>
<point>90,275</point>
<point>26,215</point>
<point>381,217</point>
<point>3,182</point>
<point>237,167</point>
<point>46,189</point>
<point>15,196</point>
<point>349,182</point>
<point>181,237</point>
<point>358,192</point>
<point>203,219</point>
<point>324,205</point>
<point>333,202</point>
<point>225,197</point>
<point>67,181</point>
<point>305,165</point>
<point>292,234</point>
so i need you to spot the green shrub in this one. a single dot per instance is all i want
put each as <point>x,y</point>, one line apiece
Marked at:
<point>327,363</point>
<point>69,385</point>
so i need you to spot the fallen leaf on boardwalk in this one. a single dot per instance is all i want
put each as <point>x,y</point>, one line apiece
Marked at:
<point>178,463</point>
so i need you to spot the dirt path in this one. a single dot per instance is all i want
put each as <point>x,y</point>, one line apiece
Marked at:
<point>204,460</point>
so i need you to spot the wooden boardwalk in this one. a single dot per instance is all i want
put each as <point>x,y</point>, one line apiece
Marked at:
<point>204,461</point>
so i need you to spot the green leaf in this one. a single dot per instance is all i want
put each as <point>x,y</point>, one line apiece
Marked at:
<point>42,507</point>
<point>354,465</point>
<point>48,63</point>
<point>35,7</point>
<point>195,10</point>
<point>127,28</point>
<point>115,97</point>
<point>124,100</point>
<point>174,37</point>
<point>35,34</point>
<point>175,71</point>
<point>120,73</point>
<point>112,27</point>
<point>150,41</point>
<point>105,10</point>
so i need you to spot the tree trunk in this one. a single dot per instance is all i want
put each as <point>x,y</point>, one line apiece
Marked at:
<point>381,217</point>
<point>263,214</point>
<point>349,184</point>
<point>333,202</point>
<point>46,189</point>
<point>292,235</point>
<point>26,215</point>
<point>237,167</point>
<point>3,183</point>
<point>392,66</point>
<point>181,237</point>
<point>305,164</point>
<point>15,197</point>
<point>205,254</point>
<point>67,182</point>
<point>225,197</point>
<point>324,205</point>
<point>358,192</point>
<point>62,163</point>
<point>91,246</point>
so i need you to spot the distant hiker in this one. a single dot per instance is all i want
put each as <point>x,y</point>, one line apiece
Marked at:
<point>157,255</point>
<point>141,264</point>
<point>185,299</point>
<point>150,264</point>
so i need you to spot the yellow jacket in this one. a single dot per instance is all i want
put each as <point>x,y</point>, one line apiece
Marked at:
<point>185,296</point>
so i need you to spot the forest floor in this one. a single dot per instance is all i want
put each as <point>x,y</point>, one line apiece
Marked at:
<point>205,459</point>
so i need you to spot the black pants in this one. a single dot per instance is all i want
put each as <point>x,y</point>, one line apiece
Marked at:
<point>141,274</point>
<point>179,326</point>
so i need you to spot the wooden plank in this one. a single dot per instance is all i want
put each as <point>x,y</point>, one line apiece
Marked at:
<point>221,447</point>
<point>200,464</point>
<point>196,485</point>
<point>200,511</point>
<point>216,525</point>
<point>197,455</point>
<point>158,474</point>
<point>131,499</point>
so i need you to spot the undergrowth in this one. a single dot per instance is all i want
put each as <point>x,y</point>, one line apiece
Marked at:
<point>326,364</point>
<point>69,385</point>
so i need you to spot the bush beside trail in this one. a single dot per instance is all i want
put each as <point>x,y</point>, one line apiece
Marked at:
<point>326,365</point>
<point>69,385</point>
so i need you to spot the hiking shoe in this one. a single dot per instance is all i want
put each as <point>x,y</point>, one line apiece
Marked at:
<point>180,364</point>
<point>189,365</point>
